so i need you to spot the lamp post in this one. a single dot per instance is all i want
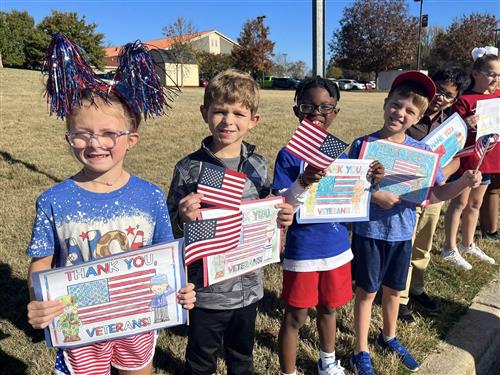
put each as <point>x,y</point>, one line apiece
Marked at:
<point>419,33</point>
<point>497,42</point>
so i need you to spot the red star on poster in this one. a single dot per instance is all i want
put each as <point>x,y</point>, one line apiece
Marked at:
<point>84,235</point>
<point>130,230</point>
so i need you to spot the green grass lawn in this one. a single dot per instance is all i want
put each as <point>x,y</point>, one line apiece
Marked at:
<point>35,156</point>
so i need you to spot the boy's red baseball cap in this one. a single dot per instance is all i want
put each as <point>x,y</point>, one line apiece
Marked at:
<point>418,78</point>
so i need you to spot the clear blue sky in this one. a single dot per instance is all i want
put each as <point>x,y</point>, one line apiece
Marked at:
<point>290,21</point>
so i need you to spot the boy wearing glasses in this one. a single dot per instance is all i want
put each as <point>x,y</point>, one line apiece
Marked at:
<point>317,261</point>
<point>450,84</point>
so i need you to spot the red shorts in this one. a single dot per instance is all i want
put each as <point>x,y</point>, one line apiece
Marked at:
<point>331,288</point>
<point>129,353</point>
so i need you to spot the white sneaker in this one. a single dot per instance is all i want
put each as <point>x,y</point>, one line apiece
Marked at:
<point>474,250</point>
<point>453,256</point>
<point>333,368</point>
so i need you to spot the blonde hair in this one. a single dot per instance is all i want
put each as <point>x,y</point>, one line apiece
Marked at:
<point>414,92</point>
<point>233,86</point>
<point>114,106</point>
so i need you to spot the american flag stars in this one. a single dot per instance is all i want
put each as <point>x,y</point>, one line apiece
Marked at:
<point>221,187</point>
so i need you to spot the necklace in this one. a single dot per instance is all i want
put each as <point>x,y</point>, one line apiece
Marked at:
<point>107,183</point>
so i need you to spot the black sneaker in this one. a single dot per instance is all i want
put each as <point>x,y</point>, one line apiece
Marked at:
<point>405,315</point>
<point>425,301</point>
<point>495,236</point>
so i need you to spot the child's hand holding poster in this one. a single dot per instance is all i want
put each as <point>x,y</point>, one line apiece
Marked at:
<point>410,172</point>
<point>448,138</point>
<point>342,195</point>
<point>260,241</point>
<point>111,297</point>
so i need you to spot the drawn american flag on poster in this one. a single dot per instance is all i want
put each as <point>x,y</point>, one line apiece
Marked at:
<point>342,192</point>
<point>314,145</point>
<point>221,187</point>
<point>211,236</point>
<point>253,239</point>
<point>402,172</point>
<point>114,297</point>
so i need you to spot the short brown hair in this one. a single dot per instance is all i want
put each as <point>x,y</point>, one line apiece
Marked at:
<point>233,86</point>
<point>413,91</point>
<point>114,103</point>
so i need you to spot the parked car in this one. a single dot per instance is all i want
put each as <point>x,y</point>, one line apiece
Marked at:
<point>266,83</point>
<point>350,84</point>
<point>370,85</point>
<point>285,83</point>
<point>334,81</point>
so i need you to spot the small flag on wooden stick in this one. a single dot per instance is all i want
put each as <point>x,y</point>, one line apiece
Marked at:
<point>315,146</point>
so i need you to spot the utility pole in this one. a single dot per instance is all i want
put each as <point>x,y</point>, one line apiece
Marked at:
<point>318,18</point>
<point>419,33</point>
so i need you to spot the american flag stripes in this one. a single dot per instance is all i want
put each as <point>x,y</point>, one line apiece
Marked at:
<point>94,359</point>
<point>221,187</point>
<point>342,192</point>
<point>211,236</point>
<point>113,298</point>
<point>402,172</point>
<point>314,145</point>
<point>479,148</point>
<point>253,239</point>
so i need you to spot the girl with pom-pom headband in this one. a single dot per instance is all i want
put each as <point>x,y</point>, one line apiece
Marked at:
<point>136,81</point>
<point>93,213</point>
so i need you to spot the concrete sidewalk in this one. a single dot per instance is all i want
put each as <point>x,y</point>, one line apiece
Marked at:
<point>473,345</point>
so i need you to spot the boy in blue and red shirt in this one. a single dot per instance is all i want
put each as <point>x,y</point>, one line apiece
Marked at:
<point>382,246</point>
<point>317,262</point>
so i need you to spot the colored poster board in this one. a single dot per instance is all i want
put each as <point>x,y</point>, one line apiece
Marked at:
<point>489,117</point>
<point>342,195</point>
<point>260,241</point>
<point>448,138</point>
<point>115,296</point>
<point>410,172</point>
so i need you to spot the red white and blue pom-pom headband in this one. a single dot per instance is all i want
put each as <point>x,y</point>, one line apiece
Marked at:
<point>136,81</point>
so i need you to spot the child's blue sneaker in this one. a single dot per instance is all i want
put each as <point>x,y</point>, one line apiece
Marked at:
<point>333,368</point>
<point>361,364</point>
<point>393,345</point>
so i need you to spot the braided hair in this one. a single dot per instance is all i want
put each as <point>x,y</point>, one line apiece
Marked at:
<point>313,82</point>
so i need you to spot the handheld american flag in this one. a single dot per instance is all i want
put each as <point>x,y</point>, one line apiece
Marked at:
<point>221,187</point>
<point>212,236</point>
<point>315,145</point>
<point>483,145</point>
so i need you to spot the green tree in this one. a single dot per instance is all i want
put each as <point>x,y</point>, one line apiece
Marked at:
<point>78,31</point>
<point>181,49</point>
<point>375,35</point>
<point>16,28</point>
<point>334,71</point>
<point>210,64</point>
<point>454,46</point>
<point>255,49</point>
